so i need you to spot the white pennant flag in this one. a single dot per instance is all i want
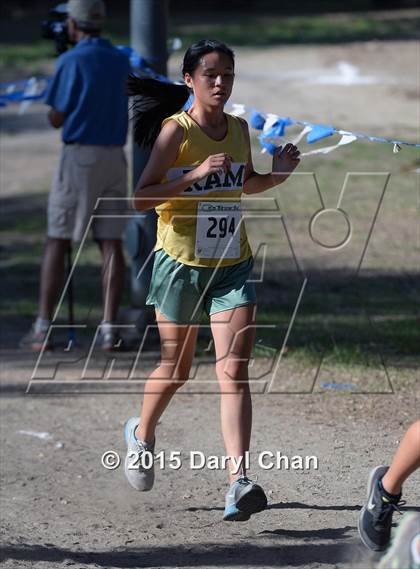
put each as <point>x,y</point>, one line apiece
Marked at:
<point>269,121</point>
<point>345,139</point>
<point>30,89</point>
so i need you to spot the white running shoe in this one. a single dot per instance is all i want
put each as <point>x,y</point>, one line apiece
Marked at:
<point>139,461</point>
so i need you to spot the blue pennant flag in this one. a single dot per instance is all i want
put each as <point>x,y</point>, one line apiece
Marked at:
<point>278,128</point>
<point>136,60</point>
<point>13,96</point>
<point>269,146</point>
<point>256,120</point>
<point>319,131</point>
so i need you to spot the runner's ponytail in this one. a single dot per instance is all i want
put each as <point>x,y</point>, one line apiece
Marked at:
<point>153,101</point>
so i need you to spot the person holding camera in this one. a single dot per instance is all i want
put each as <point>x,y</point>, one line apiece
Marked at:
<point>88,100</point>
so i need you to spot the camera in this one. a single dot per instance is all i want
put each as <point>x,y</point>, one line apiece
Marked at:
<point>55,27</point>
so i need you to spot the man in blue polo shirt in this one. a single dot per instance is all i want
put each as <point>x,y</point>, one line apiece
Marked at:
<point>88,101</point>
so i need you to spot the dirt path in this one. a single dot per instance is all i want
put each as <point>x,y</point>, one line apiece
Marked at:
<point>62,508</point>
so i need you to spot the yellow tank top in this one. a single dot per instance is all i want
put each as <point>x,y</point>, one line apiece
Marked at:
<point>203,227</point>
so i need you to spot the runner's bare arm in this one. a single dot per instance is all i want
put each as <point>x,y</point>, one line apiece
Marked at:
<point>150,191</point>
<point>285,161</point>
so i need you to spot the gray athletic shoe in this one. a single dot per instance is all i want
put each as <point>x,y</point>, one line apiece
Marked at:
<point>375,518</point>
<point>139,461</point>
<point>243,499</point>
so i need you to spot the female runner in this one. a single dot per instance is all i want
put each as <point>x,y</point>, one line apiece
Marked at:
<point>199,166</point>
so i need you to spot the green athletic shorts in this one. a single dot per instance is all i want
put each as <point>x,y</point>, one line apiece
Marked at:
<point>180,291</point>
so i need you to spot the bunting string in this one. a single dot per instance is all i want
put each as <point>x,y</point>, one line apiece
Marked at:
<point>272,127</point>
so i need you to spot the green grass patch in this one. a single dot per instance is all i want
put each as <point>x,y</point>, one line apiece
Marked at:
<point>344,339</point>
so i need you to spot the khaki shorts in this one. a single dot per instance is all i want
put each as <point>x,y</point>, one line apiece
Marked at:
<point>85,174</point>
<point>182,292</point>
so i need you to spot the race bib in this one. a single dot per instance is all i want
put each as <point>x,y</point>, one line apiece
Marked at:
<point>218,230</point>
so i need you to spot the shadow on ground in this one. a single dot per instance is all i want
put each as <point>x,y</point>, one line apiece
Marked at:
<point>210,555</point>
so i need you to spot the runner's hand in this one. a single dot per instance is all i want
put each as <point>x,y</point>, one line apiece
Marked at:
<point>214,164</point>
<point>285,160</point>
